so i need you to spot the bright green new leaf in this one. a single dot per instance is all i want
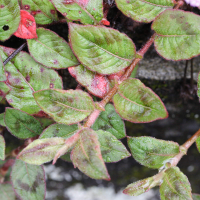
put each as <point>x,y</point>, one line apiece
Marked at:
<point>7,192</point>
<point>175,185</point>
<point>152,152</point>
<point>26,76</point>
<point>110,121</point>
<point>178,34</point>
<point>9,18</point>
<point>112,149</point>
<point>28,181</point>
<point>21,124</point>
<point>59,130</point>
<point>2,147</point>
<point>51,50</point>
<point>43,11</point>
<point>137,103</point>
<point>196,196</point>
<point>86,155</point>
<point>65,106</point>
<point>100,49</point>
<point>4,89</point>
<point>143,10</point>
<point>85,11</point>
<point>41,150</point>
<point>2,122</point>
<point>198,143</point>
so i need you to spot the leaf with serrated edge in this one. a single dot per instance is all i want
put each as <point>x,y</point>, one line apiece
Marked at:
<point>65,106</point>
<point>41,150</point>
<point>2,122</point>
<point>101,49</point>
<point>96,84</point>
<point>21,124</point>
<point>178,34</point>
<point>10,18</point>
<point>28,181</point>
<point>86,155</point>
<point>51,50</point>
<point>7,192</point>
<point>175,185</point>
<point>43,11</point>
<point>4,89</point>
<point>26,76</point>
<point>85,11</point>
<point>59,130</point>
<point>112,149</point>
<point>110,121</point>
<point>137,103</point>
<point>143,10</point>
<point>196,196</point>
<point>2,147</point>
<point>152,152</point>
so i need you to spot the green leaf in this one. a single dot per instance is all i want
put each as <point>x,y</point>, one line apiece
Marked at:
<point>21,124</point>
<point>134,72</point>
<point>41,150</point>
<point>196,196</point>
<point>178,34</point>
<point>143,10</point>
<point>152,152</point>
<point>4,89</point>
<point>175,185</point>
<point>112,149</point>
<point>110,121</point>
<point>198,143</point>
<point>86,155</point>
<point>45,122</point>
<point>9,18</point>
<point>95,83</point>
<point>59,130</point>
<point>2,148</point>
<point>28,181</point>
<point>26,76</point>
<point>2,122</point>
<point>137,103</point>
<point>198,85</point>
<point>43,11</point>
<point>66,107</point>
<point>2,71</point>
<point>7,192</point>
<point>100,49</point>
<point>85,11</point>
<point>51,50</point>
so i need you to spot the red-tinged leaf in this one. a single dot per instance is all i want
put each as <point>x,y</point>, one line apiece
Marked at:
<point>27,26</point>
<point>96,84</point>
<point>7,192</point>
<point>4,89</point>
<point>2,70</point>
<point>86,155</point>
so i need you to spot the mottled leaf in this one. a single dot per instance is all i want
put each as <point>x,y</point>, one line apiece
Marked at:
<point>27,26</point>
<point>196,196</point>
<point>2,70</point>
<point>4,89</point>
<point>43,11</point>
<point>198,143</point>
<point>65,106</point>
<point>86,155</point>
<point>21,124</point>
<point>45,122</point>
<point>9,18</point>
<point>143,10</point>
<point>95,83</point>
<point>137,103</point>
<point>175,185</point>
<point>51,50</point>
<point>103,50</point>
<point>41,150</point>
<point>7,192</point>
<point>112,149</point>
<point>152,152</point>
<point>110,121</point>
<point>28,181</point>
<point>59,130</point>
<point>2,147</point>
<point>26,76</point>
<point>85,11</point>
<point>2,122</point>
<point>178,34</point>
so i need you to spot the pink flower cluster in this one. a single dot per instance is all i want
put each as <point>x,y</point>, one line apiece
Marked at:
<point>193,3</point>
